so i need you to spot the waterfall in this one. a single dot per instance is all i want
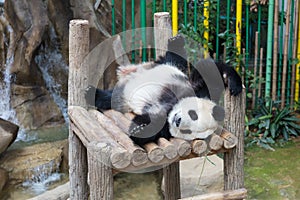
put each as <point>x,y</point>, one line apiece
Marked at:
<point>6,112</point>
<point>51,63</point>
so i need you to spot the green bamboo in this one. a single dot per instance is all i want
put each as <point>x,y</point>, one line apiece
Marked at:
<point>280,51</point>
<point>164,5</point>
<point>153,11</point>
<point>247,48</point>
<point>113,28</point>
<point>124,23</point>
<point>227,24</point>
<point>132,32</point>
<point>217,29</point>
<point>259,12</point>
<point>143,30</point>
<point>195,15</point>
<point>123,15</point>
<point>153,7</point>
<point>288,92</point>
<point>269,48</point>
<point>185,12</point>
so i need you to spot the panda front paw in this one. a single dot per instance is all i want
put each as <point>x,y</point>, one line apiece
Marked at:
<point>235,85</point>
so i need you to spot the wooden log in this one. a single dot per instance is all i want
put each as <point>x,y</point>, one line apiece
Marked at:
<point>139,155</point>
<point>78,49</point>
<point>183,147</point>
<point>89,130</point>
<point>100,171</point>
<point>155,153</point>
<point>230,140</point>
<point>215,142</point>
<point>119,119</point>
<point>225,195</point>
<point>199,147</point>
<point>170,150</point>
<point>235,123</point>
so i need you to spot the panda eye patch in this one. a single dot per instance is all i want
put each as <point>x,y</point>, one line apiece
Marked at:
<point>193,115</point>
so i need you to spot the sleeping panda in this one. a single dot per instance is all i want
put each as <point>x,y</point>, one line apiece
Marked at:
<point>166,103</point>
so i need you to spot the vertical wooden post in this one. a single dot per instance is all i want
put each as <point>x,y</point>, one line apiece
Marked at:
<point>78,49</point>
<point>234,123</point>
<point>100,171</point>
<point>162,32</point>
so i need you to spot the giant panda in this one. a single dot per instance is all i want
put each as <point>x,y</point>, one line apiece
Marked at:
<point>165,101</point>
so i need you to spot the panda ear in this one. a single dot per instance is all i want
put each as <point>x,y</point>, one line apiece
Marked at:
<point>218,113</point>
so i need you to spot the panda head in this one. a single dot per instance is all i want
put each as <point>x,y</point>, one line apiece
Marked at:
<point>194,117</point>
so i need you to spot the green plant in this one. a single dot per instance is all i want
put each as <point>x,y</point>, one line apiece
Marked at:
<point>270,123</point>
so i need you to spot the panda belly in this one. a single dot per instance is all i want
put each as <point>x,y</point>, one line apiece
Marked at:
<point>144,92</point>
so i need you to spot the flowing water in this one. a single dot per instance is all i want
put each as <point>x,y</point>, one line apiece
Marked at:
<point>49,60</point>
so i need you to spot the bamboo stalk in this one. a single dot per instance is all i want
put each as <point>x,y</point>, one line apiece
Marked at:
<point>269,48</point>
<point>261,70</point>
<point>294,56</point>
<point>285,55</point>
<point>275,51</point>
<point>290,54</point>
<point>255,72</point>
<point>298,65</point>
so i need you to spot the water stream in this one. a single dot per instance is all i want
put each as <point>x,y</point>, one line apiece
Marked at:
<point>54,69</point>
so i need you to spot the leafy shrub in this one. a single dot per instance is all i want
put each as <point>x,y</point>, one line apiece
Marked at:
<point>270,123</point>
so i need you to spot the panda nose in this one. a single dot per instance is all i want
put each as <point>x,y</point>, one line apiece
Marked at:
<point>218,113</point>
<point>177,120</point>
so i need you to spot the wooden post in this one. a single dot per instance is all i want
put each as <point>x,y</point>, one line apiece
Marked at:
<point>78,49</point>
<point>162,32</point>
<point>234,123</point>
<point>100,171</point>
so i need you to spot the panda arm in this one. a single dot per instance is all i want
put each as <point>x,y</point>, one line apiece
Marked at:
<point>231,78</point>
<point>101,99</point>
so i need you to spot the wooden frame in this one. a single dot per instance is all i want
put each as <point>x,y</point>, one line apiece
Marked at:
<point>99,145</point>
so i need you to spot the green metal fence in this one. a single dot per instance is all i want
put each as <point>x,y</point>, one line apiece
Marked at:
<point>274,74</point>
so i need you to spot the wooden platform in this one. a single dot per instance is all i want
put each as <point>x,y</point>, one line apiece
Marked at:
<point>110,130</point>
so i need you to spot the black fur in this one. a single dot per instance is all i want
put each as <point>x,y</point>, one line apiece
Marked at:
<point>176,56</point>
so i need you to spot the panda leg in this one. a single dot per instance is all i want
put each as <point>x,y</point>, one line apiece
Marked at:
<point>99,98</point>
<point>176,53</point>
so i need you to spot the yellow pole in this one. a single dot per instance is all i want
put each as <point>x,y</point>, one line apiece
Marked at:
<point>238,27</point>
<point>175,17</point>
<point>206,25</point>
<point>298,65</point>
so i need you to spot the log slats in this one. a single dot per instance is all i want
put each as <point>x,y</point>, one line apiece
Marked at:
<point>139,155</point>
<point>111,127</point>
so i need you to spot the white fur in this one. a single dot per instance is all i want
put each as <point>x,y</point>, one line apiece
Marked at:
<point>201,128</point>
<point>144,86</point>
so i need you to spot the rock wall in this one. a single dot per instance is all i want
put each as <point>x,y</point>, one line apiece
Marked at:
<point>31,25</point>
